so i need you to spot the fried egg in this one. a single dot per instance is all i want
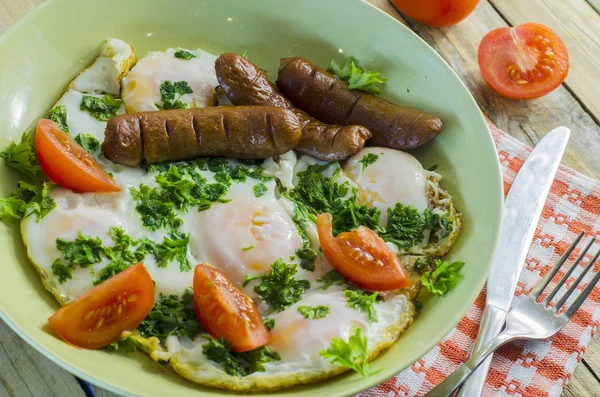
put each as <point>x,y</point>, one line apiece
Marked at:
<point>141,86</point>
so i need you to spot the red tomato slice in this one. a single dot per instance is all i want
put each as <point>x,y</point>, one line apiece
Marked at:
<point>524,62</point>
<point>436,12</point>
<point>99,317</point>
<point>362,257</point>
<point>227,312</point>
<point>68,164</point>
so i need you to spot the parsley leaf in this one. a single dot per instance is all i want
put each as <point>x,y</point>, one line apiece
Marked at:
<point>363,302</point>
<point>183,54</point>
<point>446,224</point>
<point>171,93</point>
<point>84,251</point>
<point>62,271</point>
<point>171,315</point>
<point>88,142</point>
<point>234,363</point>
<point>356,77</point>
<point>175,248</point>
<point>21,156</point>
<point>421,264</point>
<point>248,248</point>
<point>120,254</point>
<point>406,226</point>
<point>443,278</point>
<point>12,208</point>
<point>351,354</point>
<point>331,278</point>
<point>314,313</point>
<point>126,345</point>
<point>280,289</point>
<point>58,114</point>
<point>260,190</point>
<point>269,323</point>
<point>244,53</point>
<point>155,210</point>
<point>27,200</point>
<point>367,160</point>
<point>101,109</point>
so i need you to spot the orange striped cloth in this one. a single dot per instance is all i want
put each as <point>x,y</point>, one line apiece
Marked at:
<point>535,368</point>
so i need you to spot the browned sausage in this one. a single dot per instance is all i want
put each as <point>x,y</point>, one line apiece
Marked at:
<point>245,84</point>
<point>317,92</point>
<point>241,132</point>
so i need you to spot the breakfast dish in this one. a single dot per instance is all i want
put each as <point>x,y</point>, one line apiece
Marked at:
<point>252,235</point>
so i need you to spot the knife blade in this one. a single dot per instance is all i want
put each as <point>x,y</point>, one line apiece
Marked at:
<point>522,209</point>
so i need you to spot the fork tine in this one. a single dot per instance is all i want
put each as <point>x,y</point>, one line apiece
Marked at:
<point>535,293</point>
<point>576,283</point>
<point>584,294</point>
<point>568,273</point>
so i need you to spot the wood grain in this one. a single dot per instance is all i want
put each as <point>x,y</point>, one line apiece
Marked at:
<point>24,372</point>
<point>13,10</point>
<point>582,384</point>
<point>578,24</point>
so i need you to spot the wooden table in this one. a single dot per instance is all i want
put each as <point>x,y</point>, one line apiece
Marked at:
<point>575,104</point>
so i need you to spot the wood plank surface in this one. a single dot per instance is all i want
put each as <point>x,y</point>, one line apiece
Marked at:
<point>578,24</point>
<point>25,372</point>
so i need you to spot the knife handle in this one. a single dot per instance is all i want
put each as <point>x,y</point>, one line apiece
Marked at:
<point>492,322</point>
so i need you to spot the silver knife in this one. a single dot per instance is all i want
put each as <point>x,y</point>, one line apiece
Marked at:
<point>522,209</point>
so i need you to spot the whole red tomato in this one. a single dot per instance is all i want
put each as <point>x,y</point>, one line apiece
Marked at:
<point>436,12</point>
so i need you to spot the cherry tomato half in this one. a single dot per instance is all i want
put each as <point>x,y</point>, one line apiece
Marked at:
<point>436,12</point>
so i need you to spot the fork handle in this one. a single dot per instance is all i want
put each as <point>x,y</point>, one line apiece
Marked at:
<point>461,374</point>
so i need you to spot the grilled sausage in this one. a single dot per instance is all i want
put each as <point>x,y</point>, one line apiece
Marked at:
<point>241,132</point>
<point>317,92</point>
<point>245,84</point>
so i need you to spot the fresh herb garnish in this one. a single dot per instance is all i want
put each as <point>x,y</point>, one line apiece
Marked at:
<point>171,93</point>
<point>421,264</point>
<point>406,227</point>
<point>21,156</point>
<point>61,270</point>
<point>331,278</point>
<point>363,302</point>
<point>446,224</point>
<point>443,278</point>
<point>244,53</point>
<point>183,54</point>
<point>58,114</point>
<point>84,251</point>
<point>88,142</point>
<point>126,345</point>
<point>173,248</point>
<point>260,190</point>
<point>352,354</point>
<point>155,210</point>
<point>367,160</point>
<point>101,109</point>
<point>269,323</point>
<point>248,248</point>
<point>28,200</point>
<point>171,315</point>
<point>121,254</point>
<point>356,77</point>
<point>314,313</point>
<point>432,168</point>
<point>234,363</point>
<point>280,289</point>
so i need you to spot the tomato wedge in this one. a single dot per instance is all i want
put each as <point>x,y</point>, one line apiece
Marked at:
<point>362,257</point>
<point>68,164</point>
<point>227,312</point>
<point>524,62</point>
<point>99,317</point>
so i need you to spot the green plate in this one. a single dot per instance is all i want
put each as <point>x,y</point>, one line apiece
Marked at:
<point>46,49</point>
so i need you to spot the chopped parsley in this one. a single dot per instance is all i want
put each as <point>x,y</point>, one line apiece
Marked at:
<point>279,289</point>
<point>183,54</point>
<point>260,190</point>
<point>84,251</point>
<point>314,313</point>
<point>28,200</point>
<point>406,227</point>
<point>363,302</point>
<point>173,248</point>
<point>101,109</point>
<point>367,160</point>
<point>331,278</point>
<point>269,323</point>
<point>432,168</point>
<point>126,345</point>
<point>154,209</point>
<point>88,142</point>
<point>446,224</point>
<point>421,264</point>
<point>121,254</point>
<point>171,315</point>
<point>22,157</point>
<point>58,114</point>
<point>356,77</point>
<point>234,363</point>
<point>62,271</point>
<point>244,53</point>
<point>445,277</point>
<point>248,248</point>
<point>171,93</point>
<point>352,354</point>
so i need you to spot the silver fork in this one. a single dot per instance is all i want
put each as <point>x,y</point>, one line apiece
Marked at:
<point>529,319</point>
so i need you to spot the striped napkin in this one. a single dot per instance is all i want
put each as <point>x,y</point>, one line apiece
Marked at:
<point>534,368</point>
